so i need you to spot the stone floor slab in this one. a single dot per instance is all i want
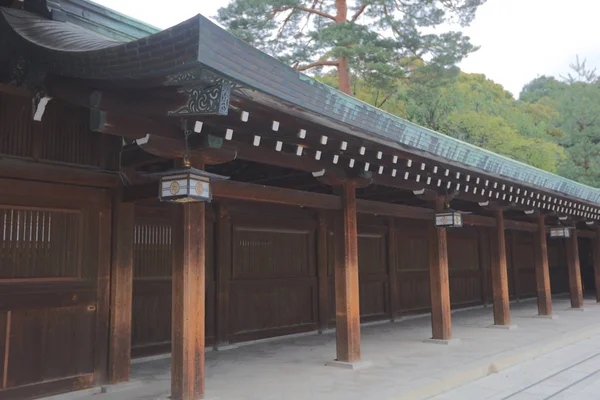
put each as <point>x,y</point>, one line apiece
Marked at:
<point>403,366</point>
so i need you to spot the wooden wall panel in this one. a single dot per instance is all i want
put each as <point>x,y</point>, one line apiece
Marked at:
<point>412,268</point>
<point>557,260</point>
<point>273,287</point>
<point>463,265</point>
<point>523,258</point>
<point>153,251</point>
<point>373,276</point>
<point>62,136</point>
<point>49,344</point>
<point>54,250</point>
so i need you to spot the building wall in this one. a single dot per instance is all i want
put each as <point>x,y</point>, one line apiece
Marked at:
<point>269,269</point>
<point>270,265</point>
<point>54,251</point>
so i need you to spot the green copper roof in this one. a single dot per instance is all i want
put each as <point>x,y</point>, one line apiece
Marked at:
<point>100,19</point>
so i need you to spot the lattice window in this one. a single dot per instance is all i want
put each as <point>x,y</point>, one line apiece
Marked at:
<point>39,243</point>
<point>264,253</point>
<point>153,251</point>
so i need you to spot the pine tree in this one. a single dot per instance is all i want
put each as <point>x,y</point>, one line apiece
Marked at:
<point>379,41</point>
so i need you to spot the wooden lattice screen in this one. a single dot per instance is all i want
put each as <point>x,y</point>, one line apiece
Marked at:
<point>39,243</point>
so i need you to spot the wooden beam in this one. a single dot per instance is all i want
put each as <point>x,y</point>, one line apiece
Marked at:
<point>596,252</point>
<point>586,234</point>
<point>346,278</point>
<point>270,194</point>
<point>131,126</point>
<point>322,271</point>
<point>439,284</point>
<point>121,292</point>
<point>25,170</point>
<point>141,101</point>
<point>542,272</point>
<point>15,90</point>
<point>500,273</point>
<point>393,210</point>
<point>275,195</point>
<point>223,261</point>
<point>188,302</point>
<point>574,271</point>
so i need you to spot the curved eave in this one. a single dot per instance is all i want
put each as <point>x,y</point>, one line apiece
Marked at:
<point>70,50</point>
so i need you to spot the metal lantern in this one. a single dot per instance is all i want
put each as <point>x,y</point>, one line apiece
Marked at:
<point>186,185</point>
<point>560,232</point>
<point>448,219</point>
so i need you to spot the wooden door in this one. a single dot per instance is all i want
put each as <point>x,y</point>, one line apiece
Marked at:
<point>54,276</point>
<point>523,258</point>
<point>412,267</point>
<point>374,278</point>
<point>463,266</point>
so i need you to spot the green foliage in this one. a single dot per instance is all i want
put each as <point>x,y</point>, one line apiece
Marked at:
<point>474,109</point>
<point>575,122</point>
<point>382,40</point>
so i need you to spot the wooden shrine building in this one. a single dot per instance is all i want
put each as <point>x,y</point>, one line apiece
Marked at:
<point>327,218</point>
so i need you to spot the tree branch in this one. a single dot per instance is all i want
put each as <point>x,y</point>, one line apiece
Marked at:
<point>317,64</point>
<point>308,10</point>
<point>358,12</point>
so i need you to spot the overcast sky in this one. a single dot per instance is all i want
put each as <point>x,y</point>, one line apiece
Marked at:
<point>519,39</point>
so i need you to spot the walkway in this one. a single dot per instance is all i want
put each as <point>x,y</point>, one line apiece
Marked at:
<point>404,367</point>
<point>570,373</point>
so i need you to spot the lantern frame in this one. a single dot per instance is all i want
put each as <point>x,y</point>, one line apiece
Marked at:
<point>560,232</point>
<point>449,219</point>
<point>186,185</point>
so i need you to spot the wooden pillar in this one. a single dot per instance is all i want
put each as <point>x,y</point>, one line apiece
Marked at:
<point>482,244</point>
<point>322,272</point>
<point>439,284</point>
<point>596,251</point>
<point>574,271</point>
<point>223,270</point>
<point>542,271</point>
<point>500,274</point>
<point>346,278</point>
<point>121,292</point>
<point>187,337</point>
<point>392,265</point>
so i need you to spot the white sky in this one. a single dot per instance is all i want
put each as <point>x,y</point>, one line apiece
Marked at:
<point>519,39</point>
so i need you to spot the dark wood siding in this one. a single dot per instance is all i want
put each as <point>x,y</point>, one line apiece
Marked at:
<point>273,287</point>
<point>63,137</point>
<point>523,260</point>
<point>54,255</point>
<point>151,314</point>
<point>557,260</point>
<point>463,264</point>
<point>412,267</point>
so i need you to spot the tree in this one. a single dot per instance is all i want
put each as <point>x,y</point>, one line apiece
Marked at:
<point>576,101</point>
<point>378,41</point>
<point>479,111</point>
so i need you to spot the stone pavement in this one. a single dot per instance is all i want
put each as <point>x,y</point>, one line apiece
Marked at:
<point>572,372</point>
<point>404,368</point>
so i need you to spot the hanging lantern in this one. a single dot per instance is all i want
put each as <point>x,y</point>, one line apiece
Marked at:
<point>448,219</point>
<point>186,185</point>
<point>560,232</point>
